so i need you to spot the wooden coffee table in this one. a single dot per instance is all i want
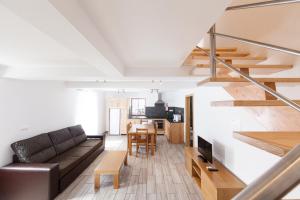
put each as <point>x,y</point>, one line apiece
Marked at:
<point>110,165</point>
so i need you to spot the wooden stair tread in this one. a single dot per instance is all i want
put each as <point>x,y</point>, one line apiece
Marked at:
<point>222,54</point>
<point>254,69</point>
<point>278,142</point>
<point>249,103</point>
<point>222,81</point>
<point>254,58</point>
<point>229,49</point>
<point>249,66</point>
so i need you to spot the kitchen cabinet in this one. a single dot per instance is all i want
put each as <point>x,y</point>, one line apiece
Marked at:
<point>174,132</point>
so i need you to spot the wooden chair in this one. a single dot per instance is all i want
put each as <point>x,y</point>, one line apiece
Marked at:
<point>155,136</point>
<point>142,139</point>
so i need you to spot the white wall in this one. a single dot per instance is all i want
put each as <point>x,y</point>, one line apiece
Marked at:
<point>216,124</point>
<point>174,98</point>
<point>151,98</point>
<point>28,108</point>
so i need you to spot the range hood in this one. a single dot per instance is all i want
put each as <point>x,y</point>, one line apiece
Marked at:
<point>159,100</point>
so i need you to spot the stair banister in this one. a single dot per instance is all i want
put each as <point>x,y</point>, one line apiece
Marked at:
<point>262,4</point>
<point>285,174</point>
<point>260,85</point>
<point>277,181</point>
<point>261,44</point>
<point>212,61</point>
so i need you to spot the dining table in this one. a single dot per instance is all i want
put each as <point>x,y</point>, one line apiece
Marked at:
<point>132,132</point>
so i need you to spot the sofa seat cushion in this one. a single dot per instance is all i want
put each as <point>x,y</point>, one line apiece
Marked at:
<point>78,134</point>
<point>81,152</point>
<point>65,163</point>
<point>71,158</point>
<point>95,143</point>
<point>37,149</point>
<point>62,140</point>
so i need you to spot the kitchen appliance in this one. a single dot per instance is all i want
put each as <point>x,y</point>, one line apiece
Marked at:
<point>159,109</point>
<point>175,111</point>
<point>176,117</point>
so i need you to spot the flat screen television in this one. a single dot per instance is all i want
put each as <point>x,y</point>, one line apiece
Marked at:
<point>205,149</point>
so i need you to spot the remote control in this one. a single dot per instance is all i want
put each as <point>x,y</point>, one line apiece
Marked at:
<point>212,169</point>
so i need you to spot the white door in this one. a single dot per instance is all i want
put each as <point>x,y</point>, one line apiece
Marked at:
<point>114,121</point>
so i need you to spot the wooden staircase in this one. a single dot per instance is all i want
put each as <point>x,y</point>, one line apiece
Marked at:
<point>197,61</point>
<point>279,142</point>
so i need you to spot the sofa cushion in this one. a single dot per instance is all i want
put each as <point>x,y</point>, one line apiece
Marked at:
<point>62,140</point>
<point>37,149</point>
<point>78,134</point>
<point>71,158</point>
<point>81,152</point>
<point>65,163</point>
<point>95,143</point>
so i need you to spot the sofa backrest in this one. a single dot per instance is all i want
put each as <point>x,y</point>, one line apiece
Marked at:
<point>78,134</point>
<point>37,149</point>
<point>62,140</point>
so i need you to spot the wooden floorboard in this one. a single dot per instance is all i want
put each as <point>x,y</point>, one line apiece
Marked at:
<point>159,177</point>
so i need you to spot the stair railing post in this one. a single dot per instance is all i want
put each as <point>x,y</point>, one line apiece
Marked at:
<point>213,64</point>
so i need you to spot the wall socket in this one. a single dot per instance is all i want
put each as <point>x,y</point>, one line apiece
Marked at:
<point>24,129</point>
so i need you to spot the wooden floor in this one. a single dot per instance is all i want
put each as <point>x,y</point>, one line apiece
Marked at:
<point>160,177</point>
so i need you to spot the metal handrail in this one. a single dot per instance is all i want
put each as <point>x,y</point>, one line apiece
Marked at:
<point>277,181</point>
<point>261,44</point>
<point>285,174</point>
<point>214,58</point>
<point>257,83</point>
<point>262,4</point>
<point>213,69</point>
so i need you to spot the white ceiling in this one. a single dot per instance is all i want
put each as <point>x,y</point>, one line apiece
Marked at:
<point>24,46</point>
<point>157,33</point>
<point>89,40</point>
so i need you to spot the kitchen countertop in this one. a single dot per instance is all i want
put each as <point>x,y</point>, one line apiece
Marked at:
<point>143,117</point>
<point>173,121</point>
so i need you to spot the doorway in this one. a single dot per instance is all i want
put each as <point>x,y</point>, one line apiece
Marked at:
<point>189,123</point>
<point>114,121</point>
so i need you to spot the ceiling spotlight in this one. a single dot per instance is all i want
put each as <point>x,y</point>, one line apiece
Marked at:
<point>160,82</point>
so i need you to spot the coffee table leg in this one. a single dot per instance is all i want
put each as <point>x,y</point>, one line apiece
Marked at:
<point>97,181</point>
<point>125,161</point>
<point>116,181</point>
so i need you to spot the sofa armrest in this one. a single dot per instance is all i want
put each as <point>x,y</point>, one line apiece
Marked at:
<point>29,181</point>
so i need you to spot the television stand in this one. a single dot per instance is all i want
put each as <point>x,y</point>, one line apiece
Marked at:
<point>215,185</point>
<point>202,158</point>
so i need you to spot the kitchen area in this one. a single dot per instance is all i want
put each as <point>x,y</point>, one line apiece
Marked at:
<point>170,120</point>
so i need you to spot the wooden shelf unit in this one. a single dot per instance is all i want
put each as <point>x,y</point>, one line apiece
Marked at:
<point>220,185</point>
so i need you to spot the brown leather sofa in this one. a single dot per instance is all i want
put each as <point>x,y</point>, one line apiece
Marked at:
<point>46,164</point>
